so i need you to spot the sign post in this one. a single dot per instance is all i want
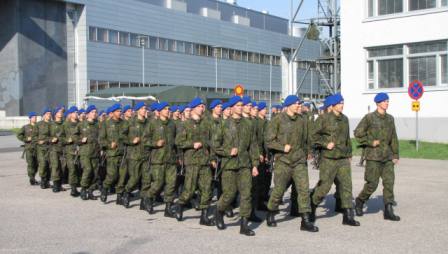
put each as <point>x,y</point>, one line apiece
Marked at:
<point>416,91</point>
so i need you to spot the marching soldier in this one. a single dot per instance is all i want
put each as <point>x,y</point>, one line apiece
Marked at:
<point>215,122</point>
<point>226,111</point>
<point>236,143</point>
<point>71,131</point>
<point>111,140</point>
<point>376,132</point>
<point>287,136</point>
<point>42,148</point>
<point>56,148</point>
<point>123,171</point>
<point>89,152</point>
<point>27,135</point>
<point>331,133</point>
<point>264,171</point>
<point>194,140</point>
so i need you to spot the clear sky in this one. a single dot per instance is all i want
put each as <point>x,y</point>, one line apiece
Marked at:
<point>282,8</point>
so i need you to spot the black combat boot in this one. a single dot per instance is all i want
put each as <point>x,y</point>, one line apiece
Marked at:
<point>254,218</point>
<point>204,218</point>
<point>149,205</point>
<point>313,212</point>
<point>33,181</point>
<point>180,212</point>
<point>270,219</point>
<point>142,204</point>
<point>337,206</point>
<point>43,184</point>
<point>389,213</point>
<point>103,196</point>
<point>168,212</point>
<point>219,219</point>
<point>359,204</point>
<point>244,228</point>
<point>56,186</point>
<point>294,210</point>
<point>229,213</point>
<point>84,194</point>
<point>306,224</point>
<point>74,193</point>
<point>125,199</point>
<point>349,218</point>
<point>119,200</point>
<point>90,195</point>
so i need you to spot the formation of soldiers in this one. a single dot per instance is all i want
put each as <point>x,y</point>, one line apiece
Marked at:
<point>188,155</point>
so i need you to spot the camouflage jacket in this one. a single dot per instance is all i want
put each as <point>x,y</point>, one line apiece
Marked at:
<point>57,131</point>
<point>215,124</point>
<point>112,131</point>
<point>71,130</point>
<point>375,126</point>
<point>27,134</point>
<point>261,126</point>
<point>43,134</point>
<point>89,130</point>
<point>135,128</point>
<point>195,131</point>
<point>291,130</point>
<point>236,133</point>
<point>161,130</point>
<point>331,128</point>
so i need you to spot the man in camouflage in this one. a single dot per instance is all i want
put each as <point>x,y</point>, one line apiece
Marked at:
<point>376,132</point>
<point>89,152</point>
<point>57,136</point>
<point>287,137</point>
<point>111,140</point>
<point>331,133</point>
<point>264,168</point>
<point>123,175</point>
<point>42,148</point>
<point>27,135</point>
<point>215,122</point>
<point>71,131</point>
<point>194,140</point>
<point>236,143</point>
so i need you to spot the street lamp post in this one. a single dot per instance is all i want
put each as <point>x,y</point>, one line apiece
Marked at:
<point>142,44</point>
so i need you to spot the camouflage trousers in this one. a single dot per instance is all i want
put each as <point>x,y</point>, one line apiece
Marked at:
<point>123,175</point>
<point>197,177</point>
<point>329,171</point>
<point>282,176</point>
<point>163,176</point>
<point>135,170</point>
<point>234,181</point>
<point>146,180</point>
<point>31,162</point>
<point>374,171</point>
<point>113,164</point>
<point>73,169</point>
<point>90,173</point>
<point>55,165</point>
<point>43,163</point>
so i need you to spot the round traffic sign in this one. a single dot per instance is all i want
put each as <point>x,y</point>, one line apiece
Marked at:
<point>416,90</point>
<point>239,90</point>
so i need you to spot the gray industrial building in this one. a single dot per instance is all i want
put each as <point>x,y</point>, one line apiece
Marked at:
<point>57,52</point>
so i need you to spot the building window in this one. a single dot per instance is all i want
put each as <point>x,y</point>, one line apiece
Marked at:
<point>102,35</point>
<point>444,2</point>
<point>423,69</point>
<point>180,46</point>
<point>93,86</point>
<point>114,84</point>
<point>103,85</point>
<point>370,8</point>
<point>163,44</point>
<point>427,47</point>
<point>153,42</point>
<point>172,45</point>
<point>124,38</point>
<point>225,53</point>
<point>444,66</point>
<point>389,6</point>
<point>92,34</point>
<point>209,51</point>
<point>217,52</point>
<point>389,71</point>
<point>113,36</point>
<point>124,84</point>
<point>370,78</point>
<point>189,48</point>
<point>421,4</point>
<point>135,42</point>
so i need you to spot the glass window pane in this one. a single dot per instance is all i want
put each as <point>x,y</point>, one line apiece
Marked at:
<point>386,51</point>
<point>92,33</point>
<point>180,46</point>
<point>217,52</point>
<point>172,45</point>
<point>153,42</point>
<point>370,10</point>
<point>225,53</point>
<point>189,48</point>
<point>256,58</point>
<point>196,49</point>
<point>425,47</point>
<point>103,85</point>
<point>389,6</point>
<point>113,36</point>
<point>163,44</point>
<point>444,2</point>
<point>209,51</point>
<point>423,69</point>
<point>93,86</point>
<point>124,84</point>
<point>102,34</point>
<point>370,75</point>
<point>114,84</point>
<point>244,56</point>
<point>421,4</point>
<point>135,40</point>
<point>390,73</point>
<point>143,41</point>
<point>444,65</point>
<point>124,38</point>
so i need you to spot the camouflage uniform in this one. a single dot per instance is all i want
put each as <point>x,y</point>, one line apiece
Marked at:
<point>123,175</point>
<point>71,131</point>
<point>89,153</point>
<point>291,130</point>
<point>27,135</point>
<point>375,126</point>
<point>265,175</point>
<point>57,150</point>
<point>335,163</point>
<point>236,175</point>
<point>42,149</point>
<point>198,173</point>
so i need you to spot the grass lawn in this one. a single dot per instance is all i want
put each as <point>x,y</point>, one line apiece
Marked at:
<point>427,150</point>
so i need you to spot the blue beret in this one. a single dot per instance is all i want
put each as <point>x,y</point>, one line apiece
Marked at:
<point>72,109</point>
<point>139,105</point>
<point>215,103</point>
<point>246,100</point>
<point>57,109</point>
<point>225,105</point>
<point>32,114</point>
<point>115,107</point>
<point>126,108</point>
<point>291,99</point>
<point>101,112</point>
<point>153,106</point>
<point>162,105</point>
<point>254,104</point>
<point>46,110</point>
<point>380,97</point>
<point>173,108</point>
<point>335,99</point>
<point>90,108</point>
<point>181,108</point>
<point>234,100</point>
<point>261,105</point>
<point>196,102</point>
<point>81,111</point>
<point>327,101</point>
<point>307,104</point>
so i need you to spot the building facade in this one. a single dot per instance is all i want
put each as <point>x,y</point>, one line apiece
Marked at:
<point>387,44</point>
<point>56,52</point>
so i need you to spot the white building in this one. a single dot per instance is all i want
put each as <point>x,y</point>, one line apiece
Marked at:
<point>386,44</point>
